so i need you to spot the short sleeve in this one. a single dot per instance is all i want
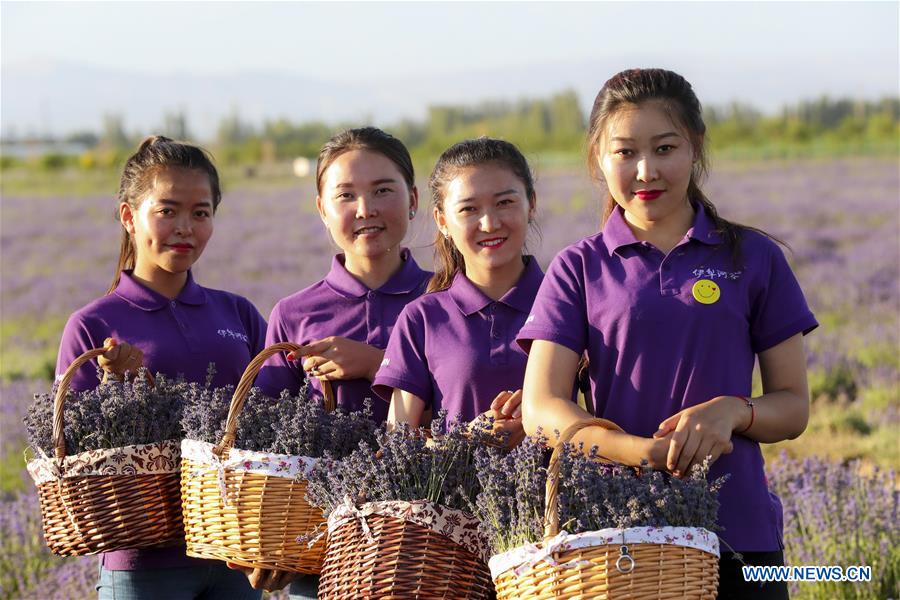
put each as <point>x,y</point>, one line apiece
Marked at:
<point>278,373</point>
<point>405,366</point>
<point>559,312</point>
<point>255,325</point>
<point>778,308</point>
<point>76,340</point>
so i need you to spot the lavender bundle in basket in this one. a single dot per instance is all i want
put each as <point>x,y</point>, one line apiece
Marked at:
<point>112,415</point>
<point>403,465</point>
<point>292,424</point>
<point>592,495</point>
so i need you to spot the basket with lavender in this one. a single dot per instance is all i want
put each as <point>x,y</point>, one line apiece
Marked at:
<point>107,470</point>
<point>586,528</point>
<point>398,523</point>
<point>244,468</point>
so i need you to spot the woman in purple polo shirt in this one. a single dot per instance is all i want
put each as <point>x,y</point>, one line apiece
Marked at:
<point>366,198</point>
<point>168,196</point>
<point>672,304</point>
<point>454,348</point>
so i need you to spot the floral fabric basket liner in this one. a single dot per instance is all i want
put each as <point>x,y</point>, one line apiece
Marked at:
<point>261,463</point>
<point>458,526</point>
<point>140,459</point>
<point>524,557</point>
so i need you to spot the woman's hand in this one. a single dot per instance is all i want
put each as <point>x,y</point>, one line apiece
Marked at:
<point>700,431</point>
<point>508,405</point>
<point>505,418</point>
<point>336,358</point>
<point>655,451</point>
<point>265,579</point>
<point>510,430</point>
<point>120,359</point>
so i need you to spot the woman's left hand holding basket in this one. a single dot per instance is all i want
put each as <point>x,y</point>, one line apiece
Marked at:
<point>121,358</point>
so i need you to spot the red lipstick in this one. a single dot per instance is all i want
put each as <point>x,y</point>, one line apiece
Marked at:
<point>648,194</point>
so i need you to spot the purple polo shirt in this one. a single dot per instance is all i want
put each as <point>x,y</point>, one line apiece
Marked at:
<point>456,349</point>
<point>654,349</point>
<point>339,305</point>
<point>178,337</point>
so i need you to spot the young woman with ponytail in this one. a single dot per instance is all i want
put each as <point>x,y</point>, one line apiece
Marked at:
<point>163,319</point>
<point>454,348</point>
<point>673,305</point>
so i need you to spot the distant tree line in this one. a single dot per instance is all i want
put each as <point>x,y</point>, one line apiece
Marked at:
<point>553,125</point>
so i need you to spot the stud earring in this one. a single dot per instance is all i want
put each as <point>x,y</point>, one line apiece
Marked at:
<point>446,235</point>
<point>412,215</point>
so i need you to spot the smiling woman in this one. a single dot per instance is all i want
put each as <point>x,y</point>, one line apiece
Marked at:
<point>454,348</point>
<point>366,199</point>
<point>163,319</point>
<point>673,305</point>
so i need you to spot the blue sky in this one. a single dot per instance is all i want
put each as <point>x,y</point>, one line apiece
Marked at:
<point>838,48</point>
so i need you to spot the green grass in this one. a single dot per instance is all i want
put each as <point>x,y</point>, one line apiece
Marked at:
<point>38,361</point>
<point>844,430</point>
<point>12,468</point>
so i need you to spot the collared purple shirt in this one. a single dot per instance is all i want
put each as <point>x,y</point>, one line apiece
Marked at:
<point>655,348</point>
<point>455,349</point>
<point>339,305</point>
<point>178,337</point>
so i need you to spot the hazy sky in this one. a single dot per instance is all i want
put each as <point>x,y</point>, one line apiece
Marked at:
<point>853,45</point>
<point>337,41</point>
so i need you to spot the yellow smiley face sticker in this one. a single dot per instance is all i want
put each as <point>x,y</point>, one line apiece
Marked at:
<point>706,291</point>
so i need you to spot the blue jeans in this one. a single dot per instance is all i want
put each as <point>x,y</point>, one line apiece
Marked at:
<point>214,582</point>
<point>305,587</point>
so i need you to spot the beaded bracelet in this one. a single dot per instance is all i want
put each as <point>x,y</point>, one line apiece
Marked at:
<point>752,414</point>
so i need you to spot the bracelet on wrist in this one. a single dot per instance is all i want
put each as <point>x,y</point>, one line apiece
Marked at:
<point>749,404</point>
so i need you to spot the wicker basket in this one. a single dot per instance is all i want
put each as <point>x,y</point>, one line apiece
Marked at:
<point>621,570</point>
<point>248,518</point>
<point>91,513</point>
<point>379,555</point>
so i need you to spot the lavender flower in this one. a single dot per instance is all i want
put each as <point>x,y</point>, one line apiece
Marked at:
<point>111,415</point>
<point>403,465</point>
<point>835,515</point>
<point>591,495</point>
<point>292,424</point>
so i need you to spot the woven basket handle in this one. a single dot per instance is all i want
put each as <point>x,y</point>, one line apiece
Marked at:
<point>551,504</point>
<point>59,438</point>
<point>246,382</point>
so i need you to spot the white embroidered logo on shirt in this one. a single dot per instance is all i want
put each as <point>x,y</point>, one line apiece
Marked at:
<point>385,362</point>
<point>235,335</point>
<point>529,319</point>
<point>717,274</point>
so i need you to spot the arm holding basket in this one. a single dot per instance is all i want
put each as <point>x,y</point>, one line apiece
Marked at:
<point>547,404</point>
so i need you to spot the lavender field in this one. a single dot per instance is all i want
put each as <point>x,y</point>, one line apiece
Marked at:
<point>840,217</point>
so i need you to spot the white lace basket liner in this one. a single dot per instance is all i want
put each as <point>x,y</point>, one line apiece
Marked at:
<point>524,557</point>
<point>139,459</point>
<point>458,526</point>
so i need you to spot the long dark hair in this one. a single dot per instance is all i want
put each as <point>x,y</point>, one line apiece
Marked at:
<point>469,153</point>
<point>677,98</point>
<point>155,154</point>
